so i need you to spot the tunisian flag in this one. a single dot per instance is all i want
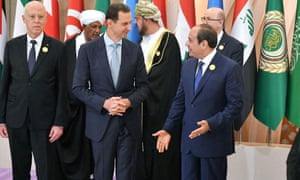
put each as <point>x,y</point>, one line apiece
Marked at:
<point>52,26</point>
<point>73,25</point>
<point>185,21</point>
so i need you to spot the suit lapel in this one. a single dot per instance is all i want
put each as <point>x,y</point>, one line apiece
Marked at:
<point>124,55</point>
<point>23,44</point>
<point>209,71</point>
<point>101,55</point>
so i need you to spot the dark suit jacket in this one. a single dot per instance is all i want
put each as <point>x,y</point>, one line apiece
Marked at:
<point>92,66</point>
<point>74,147</point>
<point>231,48</point>
<point>42,94</point>
<point>218,100</point>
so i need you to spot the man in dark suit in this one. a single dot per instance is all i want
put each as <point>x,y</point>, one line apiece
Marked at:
<point>227,45</point>
<point>293,160</point>
<point>163,65</point>
<point>33,97</point>
<point>74,147</point>
<point>114,68</point>
<point>208,98</point>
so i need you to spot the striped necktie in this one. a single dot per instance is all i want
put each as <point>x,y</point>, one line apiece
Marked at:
<point>198,76</point>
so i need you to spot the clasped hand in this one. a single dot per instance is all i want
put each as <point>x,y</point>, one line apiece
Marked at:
<point>116,106</point>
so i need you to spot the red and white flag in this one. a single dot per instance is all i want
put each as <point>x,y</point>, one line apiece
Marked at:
<point>161,4</point>
<point>243,30</point>
<point>185,21</point>
<point>73,25</point>
<point>52,26</point>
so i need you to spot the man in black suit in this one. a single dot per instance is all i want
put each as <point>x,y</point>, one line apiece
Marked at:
<point>227,44</point>
<point>74,147</point>
<point>33,96</point>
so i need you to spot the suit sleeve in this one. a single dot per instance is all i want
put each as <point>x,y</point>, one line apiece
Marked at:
<point>81,82</point>
<point>234,98</point>
<point>4,83</point>
<point>141,82</point>
<point>238,54</point>
<point>62,100</point>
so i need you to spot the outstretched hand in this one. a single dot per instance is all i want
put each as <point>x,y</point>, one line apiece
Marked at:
<point>163,140</point>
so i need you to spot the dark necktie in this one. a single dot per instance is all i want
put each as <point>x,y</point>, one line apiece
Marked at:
<point>198,76</point>
<point>115,63</point>
<point>31,58</point>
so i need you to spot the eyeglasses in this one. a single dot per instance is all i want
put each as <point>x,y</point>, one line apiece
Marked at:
<point>203,18</point>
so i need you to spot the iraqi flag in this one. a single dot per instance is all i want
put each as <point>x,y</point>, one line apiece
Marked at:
<point>243,30</point>
<point>185,21</point>
<point>52,25</point>
<point>3,34</point>
<point>73,25</point>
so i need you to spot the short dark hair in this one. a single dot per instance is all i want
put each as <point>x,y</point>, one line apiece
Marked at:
<point>114,9</point>
<point>206,32</point>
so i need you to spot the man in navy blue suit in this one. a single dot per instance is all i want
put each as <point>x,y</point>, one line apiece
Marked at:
<point>111,79</point>
<point>205,110</point>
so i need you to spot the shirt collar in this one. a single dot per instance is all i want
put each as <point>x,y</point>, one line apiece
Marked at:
<point>109,41</point>
<point>38,39</point>
<point>220,35</point>
<point>207,60</point>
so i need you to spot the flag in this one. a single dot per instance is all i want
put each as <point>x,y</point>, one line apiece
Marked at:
<point>3,33</point>
<point>133,34</point>
<point>293,95</point>
<point>52,25</point>
<point>19,26</point>
<point>102,5</point>
<point>185,21</point>
<point>271,84</point>
<point>243,30</point>
<point>161,4</point>
<point>216,3</point>
<point>73,25</point>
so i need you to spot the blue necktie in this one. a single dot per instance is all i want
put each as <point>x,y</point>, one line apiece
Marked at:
<point>115,63</point>
<point>198,76</point>
<point>31,58</point>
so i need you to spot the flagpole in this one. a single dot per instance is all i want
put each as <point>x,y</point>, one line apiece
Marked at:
<point>240,136</point>
<point>269,136</point>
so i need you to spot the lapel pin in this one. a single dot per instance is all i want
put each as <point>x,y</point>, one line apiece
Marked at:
<point>221,47</point>
<point>157,53</point>
<point>45,49</point>
<point>212,67</point>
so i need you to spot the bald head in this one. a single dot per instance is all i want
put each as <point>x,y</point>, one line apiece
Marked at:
<point>215,17</point>
<point>35,18</point>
